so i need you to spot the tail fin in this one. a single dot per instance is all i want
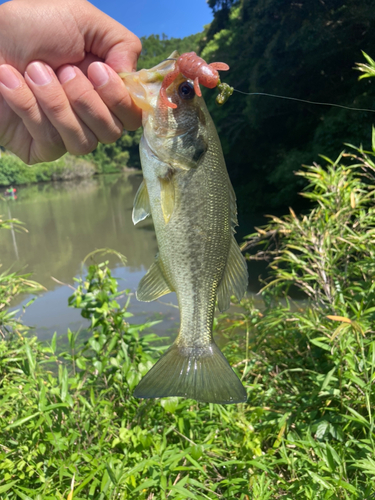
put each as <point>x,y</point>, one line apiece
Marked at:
<point>200,373</point>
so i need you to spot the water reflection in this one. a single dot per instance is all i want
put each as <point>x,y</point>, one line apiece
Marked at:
<point>66,221</point>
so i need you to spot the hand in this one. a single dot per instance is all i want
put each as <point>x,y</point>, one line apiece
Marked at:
<point>59,88</point>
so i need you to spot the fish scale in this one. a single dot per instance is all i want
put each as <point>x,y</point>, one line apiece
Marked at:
<point>187,191</point>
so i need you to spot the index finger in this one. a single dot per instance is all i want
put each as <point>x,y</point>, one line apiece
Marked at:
<point>113,93</point>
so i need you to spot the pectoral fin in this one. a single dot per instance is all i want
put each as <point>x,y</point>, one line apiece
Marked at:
<point>141,207</point>
<point>167,197</point>
<point>235,277</point>
<point>153,284</point>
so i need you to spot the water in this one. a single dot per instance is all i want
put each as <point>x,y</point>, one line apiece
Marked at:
<point>65,222</point>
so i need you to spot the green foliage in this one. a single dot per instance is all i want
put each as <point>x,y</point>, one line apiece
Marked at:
<point>14,171</point>
<point>155,49</point>
<point>111,158</point>
<point>299,50</point>
<point>368,70</point>
<point>69,424</point>
<point>316,359</point>
<point>11,285</point>
<point>71,414</point>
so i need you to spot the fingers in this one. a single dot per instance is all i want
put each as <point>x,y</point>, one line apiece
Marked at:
<point>88,105</point>
<point>24,128</point>
<point>49,115</point>
<point>76,135</point>
<point>112,91</point>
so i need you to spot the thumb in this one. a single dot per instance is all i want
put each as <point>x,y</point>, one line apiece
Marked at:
<point>111,41</point>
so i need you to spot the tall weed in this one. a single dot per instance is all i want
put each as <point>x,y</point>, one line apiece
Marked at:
<point>69,424</point>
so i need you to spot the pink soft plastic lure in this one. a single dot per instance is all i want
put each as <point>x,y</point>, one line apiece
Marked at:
<point>195,68</point>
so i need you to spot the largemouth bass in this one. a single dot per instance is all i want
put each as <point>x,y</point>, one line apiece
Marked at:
<point>187,191</point>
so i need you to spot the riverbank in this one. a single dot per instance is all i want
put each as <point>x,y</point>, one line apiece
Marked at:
<point>14,172</point>
<point>105,159</point>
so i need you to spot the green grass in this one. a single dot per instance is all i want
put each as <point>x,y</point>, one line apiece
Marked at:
<point>69,422</point>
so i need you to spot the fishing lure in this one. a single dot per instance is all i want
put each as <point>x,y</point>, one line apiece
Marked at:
<point>225,91</point>
<point>195,68</point>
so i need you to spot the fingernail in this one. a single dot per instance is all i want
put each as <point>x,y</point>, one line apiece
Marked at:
<point>98,74</point>
<point>39,73</point>
<point>8,78</point>
<point>66,73</point>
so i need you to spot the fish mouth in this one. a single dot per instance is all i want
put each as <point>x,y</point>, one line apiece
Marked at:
<point>144,85</point>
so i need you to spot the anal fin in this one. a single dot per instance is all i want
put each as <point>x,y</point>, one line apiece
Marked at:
<point>200,373</point>
<point>153,284</point>
<point>141,207</point>
<point>235,277</point>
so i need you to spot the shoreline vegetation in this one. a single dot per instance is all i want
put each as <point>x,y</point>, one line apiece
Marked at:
<point>13,172</point>
<point>71,428</point>
<point>106,159</point>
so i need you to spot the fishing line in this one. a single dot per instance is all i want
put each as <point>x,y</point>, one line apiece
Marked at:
<point>304,100</point>
<point>231,89</point>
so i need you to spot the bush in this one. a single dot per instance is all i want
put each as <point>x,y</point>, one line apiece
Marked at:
<point>316,359</point>
<point>70,425</point>
<point>12,285</point>
<point>69,421</point>
<point>14,172</point>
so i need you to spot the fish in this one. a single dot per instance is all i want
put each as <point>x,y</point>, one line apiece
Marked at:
<point>187,191</point>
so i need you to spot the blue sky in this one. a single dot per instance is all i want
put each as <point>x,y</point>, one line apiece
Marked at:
<point>175,18</point>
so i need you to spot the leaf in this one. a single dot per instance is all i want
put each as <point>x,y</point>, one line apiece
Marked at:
<point>340,318</point>
<point>358,417</point>
<point>64,384</point>
<point>316,342</point>
<point>22,420</point>
<point>182,491</point>
<point>327,379</point>
<point>170,404</point>
<point>368,465</point>
<point>53,343</point>
<point>88,479</point>
<point>197,451</point>
<point>321,429</point>
<point>330,459</point>
<point>146,485</point>
<point>196,464</point>
<point>111,474</point>
<point>23,496</point>
<point>6,487</point>
<point>322,481</point>
<point>31,359</point>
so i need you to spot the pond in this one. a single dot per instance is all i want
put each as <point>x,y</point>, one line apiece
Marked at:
<point>65,221</point>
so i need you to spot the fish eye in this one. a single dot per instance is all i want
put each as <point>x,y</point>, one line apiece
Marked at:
<point>186,90</point>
